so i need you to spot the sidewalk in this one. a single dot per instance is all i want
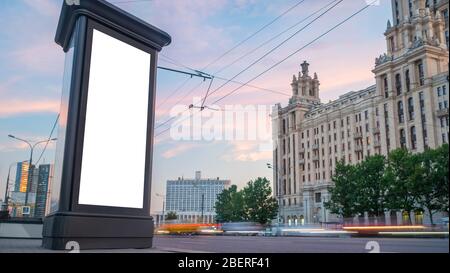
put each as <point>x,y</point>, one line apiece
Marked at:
<point>34,246</point>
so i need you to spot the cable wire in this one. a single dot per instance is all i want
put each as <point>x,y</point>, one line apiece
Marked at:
<point>296,51</point>
<point>48,140</point>
<point>277,46</point>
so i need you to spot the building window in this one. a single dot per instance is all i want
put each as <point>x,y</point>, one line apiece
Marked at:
<point>391,43</point>
<point>398,84</point>
<point>407,80</point>
<point>410,6</point>
<point>439,91</point>
<point>413,138</point>
<point>385,86</point>
<point>366,115</point>
<point>318,197</point>
<point>401,117</point>
<point>411,108</point>
<point>402,138</point>
<point>420,73</point>
<point>425,138</point>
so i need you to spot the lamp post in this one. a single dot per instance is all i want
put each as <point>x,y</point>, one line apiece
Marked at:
<point>163,206</point>
<point>203,201</point>
<point>30,162</point>
<point>279,188</point>
<point>5,204</point>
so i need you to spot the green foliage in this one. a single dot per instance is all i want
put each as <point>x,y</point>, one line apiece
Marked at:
<point>430,180</point>
<point>344,194</point>
<point>259,204</point>
<point>171,215</point>
<point>372,186</point>
<point>253,203</point>
<point>230,205</point>
<point>404,181</point>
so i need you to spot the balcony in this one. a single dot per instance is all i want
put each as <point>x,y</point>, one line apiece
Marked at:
<point>301,150</point>
<point>358,148</point>
<point>357,135</point>
<point>376,130</point>
<point>315,146</point>
<point>376,143</point>
<point>315,157</point>
<point>442,112</point>
<point>301,161</point>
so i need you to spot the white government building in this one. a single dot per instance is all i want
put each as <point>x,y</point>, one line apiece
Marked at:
<point>189,197</point>
<point>407,107</point>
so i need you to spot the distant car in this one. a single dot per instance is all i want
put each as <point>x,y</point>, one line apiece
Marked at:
<point>243,228</point>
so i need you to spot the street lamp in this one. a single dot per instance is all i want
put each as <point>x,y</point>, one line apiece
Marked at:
<point>5,204</point>
<point>279,189</point>
<point>30,166</point>
<point>163,207</point>
<point>203,201</point>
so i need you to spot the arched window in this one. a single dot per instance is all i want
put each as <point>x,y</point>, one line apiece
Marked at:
<point>398,84</point>
<point>401,117</point>
<point>413,138</point>
<point>411,108</point>
<point>402,138</point>
<point>407,80</point>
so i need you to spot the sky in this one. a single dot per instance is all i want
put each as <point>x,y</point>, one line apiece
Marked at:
<point>31,72</point>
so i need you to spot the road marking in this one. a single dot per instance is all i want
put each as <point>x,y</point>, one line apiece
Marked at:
<point>182,250</point>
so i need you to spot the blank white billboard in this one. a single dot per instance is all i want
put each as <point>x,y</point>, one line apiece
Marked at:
<point>115,136</point>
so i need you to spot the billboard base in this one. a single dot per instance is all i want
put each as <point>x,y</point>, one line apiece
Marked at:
<point>62,231</point>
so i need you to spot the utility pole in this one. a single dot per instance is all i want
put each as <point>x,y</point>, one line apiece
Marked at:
<point>163,206</point>
<point>5,208</point>
<point>278,190</point>
<point>30,167</point>
<point>203,203</point>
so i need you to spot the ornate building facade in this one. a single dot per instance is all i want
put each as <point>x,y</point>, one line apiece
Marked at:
<point>407,107</point>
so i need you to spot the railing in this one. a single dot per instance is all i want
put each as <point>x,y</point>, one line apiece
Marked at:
<point>442,112</point>
<point>357,135</point>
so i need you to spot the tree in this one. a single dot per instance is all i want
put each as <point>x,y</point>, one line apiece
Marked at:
<point>171,215</point>
<point>259,204</point>
<point>401,193</point>
<point>442,177</point>
<point>372,186</point>
<point>344,193</point>
<point>430,180</point>
<point>230,205</point>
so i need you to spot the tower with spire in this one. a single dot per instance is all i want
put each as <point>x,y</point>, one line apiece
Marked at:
<point>305,87</point>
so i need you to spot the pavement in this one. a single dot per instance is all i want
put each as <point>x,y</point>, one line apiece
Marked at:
<point>256,244</point>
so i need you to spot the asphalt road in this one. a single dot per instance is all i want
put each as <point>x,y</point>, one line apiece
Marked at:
<point>260,244</point>
<point>253,244</point>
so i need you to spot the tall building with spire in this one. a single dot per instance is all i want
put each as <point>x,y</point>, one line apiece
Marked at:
<point>406,107</point>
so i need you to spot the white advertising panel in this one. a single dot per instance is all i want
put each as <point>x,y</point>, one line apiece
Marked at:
<point>115,136</point>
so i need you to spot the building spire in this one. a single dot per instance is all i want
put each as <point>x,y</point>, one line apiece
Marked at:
<point>305,70</point>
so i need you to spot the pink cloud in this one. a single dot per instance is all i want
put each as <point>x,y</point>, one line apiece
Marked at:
<point>247,151</point>
<point>42,56</point>
<point>19,106</point>
<point>179,149</point>
<point>45,7</point>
